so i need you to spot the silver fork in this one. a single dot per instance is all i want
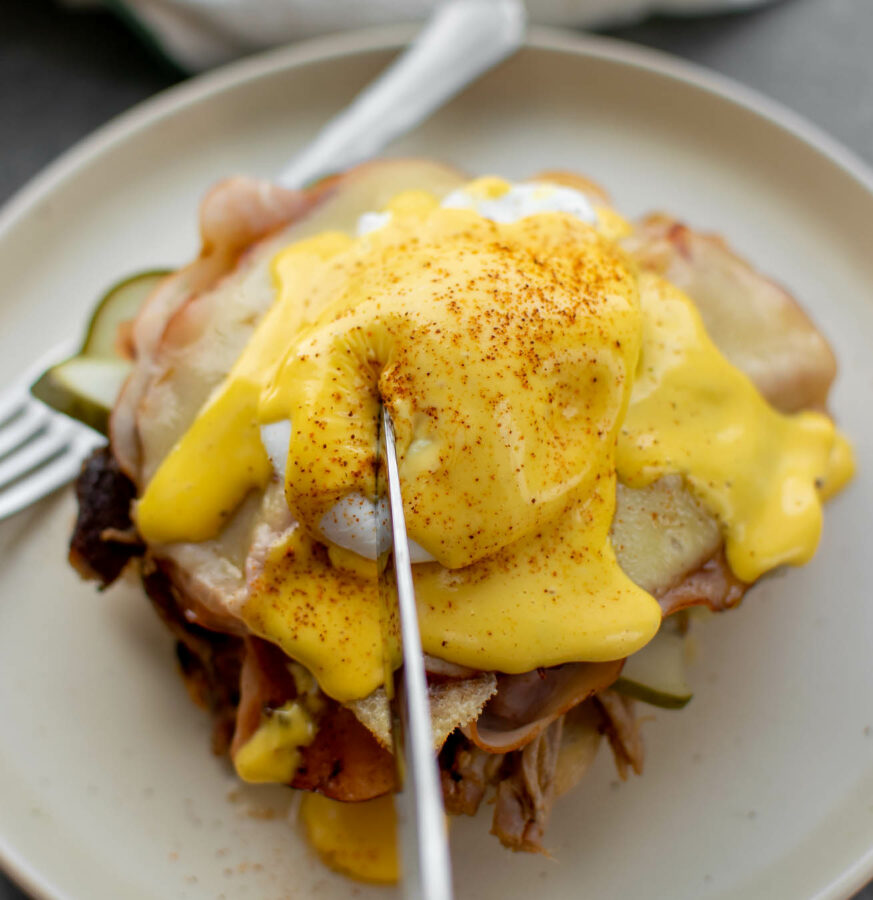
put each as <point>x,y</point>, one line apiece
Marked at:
<point>40,449</point>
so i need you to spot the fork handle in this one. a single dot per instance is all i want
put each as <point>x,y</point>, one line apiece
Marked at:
<point>462,40</point>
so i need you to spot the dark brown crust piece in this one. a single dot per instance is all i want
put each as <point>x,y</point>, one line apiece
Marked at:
<point>345,762</point>
<point>104,539</point>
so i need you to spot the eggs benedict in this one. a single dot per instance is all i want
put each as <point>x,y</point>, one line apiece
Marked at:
<point>586,451</point>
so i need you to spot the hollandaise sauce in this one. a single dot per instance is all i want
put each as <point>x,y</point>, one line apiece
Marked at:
<point>357,839</point>
<point>527,366</point>
<point>762,474</point>
<point>272,753</point>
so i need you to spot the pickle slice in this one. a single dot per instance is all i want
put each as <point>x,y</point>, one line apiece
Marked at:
<point>656,674</point>
<point>120,304</point>
<point>86,386</point>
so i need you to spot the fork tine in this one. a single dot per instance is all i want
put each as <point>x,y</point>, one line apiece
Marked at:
<point>56,474</point>
<point>57,436</point>
<point>16,395</point>
<point>33,464</point>
<point>33,417</point>
<point>12,401</point>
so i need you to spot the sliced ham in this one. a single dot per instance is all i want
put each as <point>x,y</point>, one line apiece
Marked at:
<point>755,322</point>
<point>525,705</point>
<point>713,585</point>
<point>235,214</point>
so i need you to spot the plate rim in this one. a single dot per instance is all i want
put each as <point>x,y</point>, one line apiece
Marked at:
<point>337,46</point>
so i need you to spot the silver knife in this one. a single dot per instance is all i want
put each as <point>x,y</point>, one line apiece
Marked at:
<point>421,818</point>
<point>462,40</point>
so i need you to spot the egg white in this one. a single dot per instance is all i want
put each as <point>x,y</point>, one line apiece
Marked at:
<point>354,521</point>
<point>523,200</point>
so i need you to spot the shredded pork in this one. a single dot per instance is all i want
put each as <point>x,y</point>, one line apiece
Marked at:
<point>622,729</point>
<point>467,773</point>
<point>525,796</point>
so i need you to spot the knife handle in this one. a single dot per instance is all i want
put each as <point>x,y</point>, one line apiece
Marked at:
<point>462,40</point>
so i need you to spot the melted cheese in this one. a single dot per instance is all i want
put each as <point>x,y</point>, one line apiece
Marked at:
<point>524,362</point>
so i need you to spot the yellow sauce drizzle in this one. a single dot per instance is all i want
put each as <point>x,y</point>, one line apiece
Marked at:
<point>221,458</point>
<point>272,753</point>
<point>761,473</point>
<point>328,619</point>
<point>556,597</point>
<point>355,839</point>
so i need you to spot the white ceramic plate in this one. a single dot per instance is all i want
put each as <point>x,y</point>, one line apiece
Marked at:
<point>762,787</point>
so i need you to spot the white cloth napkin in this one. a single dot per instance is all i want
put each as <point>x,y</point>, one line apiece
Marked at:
<point>198,34</point>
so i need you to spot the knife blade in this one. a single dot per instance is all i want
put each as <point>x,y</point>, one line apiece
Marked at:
<point>421,819</point>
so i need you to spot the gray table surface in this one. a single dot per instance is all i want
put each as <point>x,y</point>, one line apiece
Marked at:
<point>62,74</point>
